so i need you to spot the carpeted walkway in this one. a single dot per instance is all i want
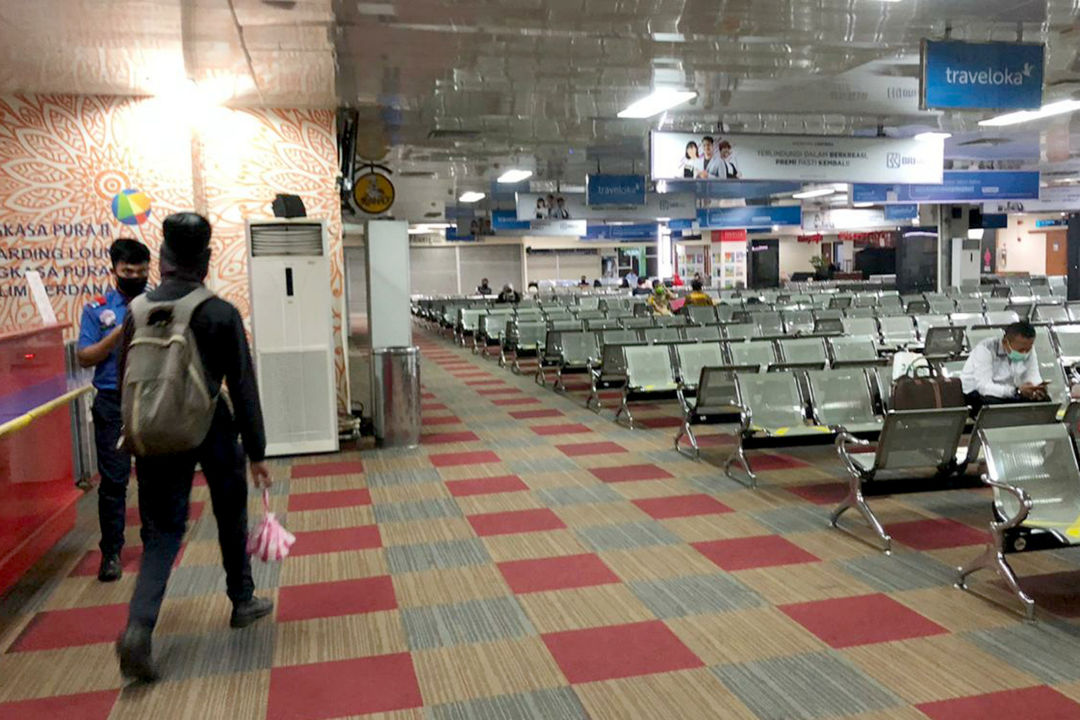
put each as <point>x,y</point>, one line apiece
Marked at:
<point>533,560</point>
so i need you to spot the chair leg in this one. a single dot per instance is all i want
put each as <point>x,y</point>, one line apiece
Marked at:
<point>624,409</point>
<point>594,394</point>
<point>559,387</point>
<point>739,456</point>
<point>992,558</point>
<point>856,500</point>
<point>502,356</point>
<point>688,432</point>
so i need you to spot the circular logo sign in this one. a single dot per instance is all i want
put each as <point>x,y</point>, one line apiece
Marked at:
<point>131,207</point>
<point>373,193</point>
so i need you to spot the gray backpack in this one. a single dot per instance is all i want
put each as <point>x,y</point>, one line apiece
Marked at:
<point>166,404</point>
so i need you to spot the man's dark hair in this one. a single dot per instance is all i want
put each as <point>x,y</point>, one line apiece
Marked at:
<point>641,281</point>
<point>695,285</point>
<point>186,244</point>
<point>707,139</point>
<point>1021,328</point>
<point>127,250</point>
<point>655,282</point>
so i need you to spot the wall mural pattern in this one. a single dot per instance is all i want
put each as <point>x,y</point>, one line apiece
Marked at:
<point>64,159</point>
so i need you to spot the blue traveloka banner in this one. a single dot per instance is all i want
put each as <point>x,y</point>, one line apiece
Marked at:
<point>749,217</point>
<point>907,211</point>
<point>615,190</point>
<point>506,220</point>
<point>957,187</point>
<point>637,231</point>
<point>982,76</point>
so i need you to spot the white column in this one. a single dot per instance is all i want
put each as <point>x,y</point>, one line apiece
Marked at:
<point>387,248</point>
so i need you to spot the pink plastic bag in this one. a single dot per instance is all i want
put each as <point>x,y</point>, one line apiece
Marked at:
<point>269,540</point>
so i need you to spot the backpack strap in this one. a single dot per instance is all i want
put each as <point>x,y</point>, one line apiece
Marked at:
<point>182,308</point>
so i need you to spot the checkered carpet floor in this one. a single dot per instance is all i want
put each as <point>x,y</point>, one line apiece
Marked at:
<point>533,560</point>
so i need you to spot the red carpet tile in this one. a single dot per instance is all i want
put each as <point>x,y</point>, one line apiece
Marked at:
<point>316,542</point>
<point>329,499</point>
<point>328,468</point>
<point>195,511</point>
<point>331,599</point>
<point>629,473</point>
<point>830,493</point>
<point>130,558</point>
<point>516,401</point>
<point>492,381</point>
<point>448,437</point>
<point>67,628</point>
<point>515,521</point>
<point>486,485</point>
<point>83,706</point>
<point>1057,592</point>
<point>557,573</point>
<point>659,422</point>
<point>753,552</point>
<point>463,458</point>
<point>318,691</point>
<point>936,534</point>
<point>441,420</point>
<point>764,462</point>
<point>596,448</point>
<point>430,407</point>
<point>531,414</point>
<point>861,620</point>
<point>1034,702</point>
<point>427,396</point>
<point>568,429</point>
<point>619,651</point>
<point>719,440</point>
<point>498,391</point>
<point>682,506</point>
<point>470,374</point>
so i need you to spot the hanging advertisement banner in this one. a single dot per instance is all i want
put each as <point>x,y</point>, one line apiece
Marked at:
<point>682,156</point>
<point>982,76</point>
<point>749,217</point>
<point>505,221</point>
<point>956,187</point>
<point>835,219</point>
<point>605,190</point>
<point>719,236</point>
<point>905,211</point>
<point>636,231</point>
<point>540,207</point>
<point>559,228</point>
<point>1063,198</point>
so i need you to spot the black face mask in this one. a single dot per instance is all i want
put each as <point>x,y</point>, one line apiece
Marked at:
<point>131,287</point>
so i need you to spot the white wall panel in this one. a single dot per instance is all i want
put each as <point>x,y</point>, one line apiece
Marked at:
<point>434,270</point>
<point>500,264</point>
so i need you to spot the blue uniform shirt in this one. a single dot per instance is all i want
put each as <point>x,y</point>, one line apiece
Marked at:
<point>99,318</point>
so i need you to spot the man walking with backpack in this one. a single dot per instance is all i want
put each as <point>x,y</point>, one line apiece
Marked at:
<point>179,343</point>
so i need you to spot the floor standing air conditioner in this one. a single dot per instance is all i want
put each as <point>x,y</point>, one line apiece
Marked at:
<point>291,318</point>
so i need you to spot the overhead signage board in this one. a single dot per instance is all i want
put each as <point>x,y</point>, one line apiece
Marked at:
<point>982,76</point>
<point>905,211</point>
<point>636,231</point>
<point>842,219</point>
<point>956,187</point>
<point>505,221</point>
<point>606,190</point>
<point>559,228</point>
<point>749,217</point>
<point>571,206</point>
<point>1062,198</point>
<point>813,158</point>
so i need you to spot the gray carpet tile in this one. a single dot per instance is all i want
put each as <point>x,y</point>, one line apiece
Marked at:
<point>681,596</point>
<point>475,621</point>
<point>416,510</point>
<point>388,478</point>
<point>438,555</point>
<point>229,651</point>
<point>796,518</point>
<point>1048,649</point>
<point>554,497</point>
<point>554,704</point>
<point>900,571</point>
<point>626,535</point>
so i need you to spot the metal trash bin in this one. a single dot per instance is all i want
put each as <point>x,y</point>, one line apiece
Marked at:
<point>396,389</point>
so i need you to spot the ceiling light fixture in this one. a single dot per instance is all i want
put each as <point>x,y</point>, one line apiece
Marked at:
<point>923,136</point>
<point>863,205</point>
<point>515,176</point>
<point>1015,118</point>
<point>820,192</point>
<point>660,100</point>
<point>471,196</point>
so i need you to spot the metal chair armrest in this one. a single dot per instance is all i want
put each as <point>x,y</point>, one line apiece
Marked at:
<point>843,441</point>
<point>1021,496</point>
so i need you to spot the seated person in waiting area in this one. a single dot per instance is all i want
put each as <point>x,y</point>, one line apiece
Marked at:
<point>508,295</point>
<point>660,301</point>
<point>1004,370</point>
<point>698,296</point>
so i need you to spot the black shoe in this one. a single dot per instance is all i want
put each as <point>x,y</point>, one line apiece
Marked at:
<point>134,651</point>
<point>249,611</point>
<point>111,569</point>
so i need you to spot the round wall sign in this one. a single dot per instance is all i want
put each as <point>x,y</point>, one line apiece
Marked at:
<point>373,193</point>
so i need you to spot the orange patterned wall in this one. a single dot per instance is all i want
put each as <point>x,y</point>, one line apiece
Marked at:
<point>63,158</point>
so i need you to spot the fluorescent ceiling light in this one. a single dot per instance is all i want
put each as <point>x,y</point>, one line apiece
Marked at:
<point>933,136</point>
<point>660,100</point>
<point>471,196</point>
<point>820,192</point>
<point>863,205</point>
<point>515,176</point>
<point>1055,108</point>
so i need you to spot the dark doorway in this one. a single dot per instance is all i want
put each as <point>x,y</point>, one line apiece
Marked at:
<point>764,263</point>
<point>916,261</point>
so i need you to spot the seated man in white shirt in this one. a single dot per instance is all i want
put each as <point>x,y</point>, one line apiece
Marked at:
<point>1003,371</point>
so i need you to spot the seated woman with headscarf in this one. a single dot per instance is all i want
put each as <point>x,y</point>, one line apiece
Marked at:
<point>660,300</point>
<point>508,295</point>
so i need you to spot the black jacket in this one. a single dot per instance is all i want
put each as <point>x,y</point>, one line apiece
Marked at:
<point>223,348</point>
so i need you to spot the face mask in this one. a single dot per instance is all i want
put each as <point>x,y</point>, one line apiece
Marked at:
<point>1016,356</point>
<point>131,287</point>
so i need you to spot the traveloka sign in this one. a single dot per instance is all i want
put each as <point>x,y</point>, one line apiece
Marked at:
<point>957,187</point>
<point>982,76</point>
<point>615,190</point>
<point>749,217</point>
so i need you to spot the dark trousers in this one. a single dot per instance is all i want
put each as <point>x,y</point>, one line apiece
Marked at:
<point>975,401</point>
<point>114,467</point>
<point>164,494</point>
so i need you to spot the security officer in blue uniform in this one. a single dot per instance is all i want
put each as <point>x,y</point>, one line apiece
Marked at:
<point>100,333</point>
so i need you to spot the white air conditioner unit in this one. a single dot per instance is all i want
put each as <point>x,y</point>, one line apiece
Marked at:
<point>292,329</point>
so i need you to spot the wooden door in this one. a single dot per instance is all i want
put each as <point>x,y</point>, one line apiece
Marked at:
<point>1056,263</point>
